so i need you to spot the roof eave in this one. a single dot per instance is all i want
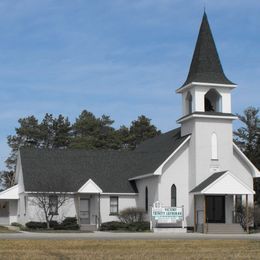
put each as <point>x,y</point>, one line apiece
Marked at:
<point>206,84</point>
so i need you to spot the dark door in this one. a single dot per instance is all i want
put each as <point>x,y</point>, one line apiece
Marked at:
<point>215,209</point>
<point>4,212</point>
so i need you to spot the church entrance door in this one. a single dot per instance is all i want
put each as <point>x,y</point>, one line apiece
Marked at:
<point>215,209</point>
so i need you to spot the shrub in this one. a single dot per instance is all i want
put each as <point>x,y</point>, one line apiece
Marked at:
<point>117,225</point>
<point>15,224</point>
<point>139,226</point>
<point>67,227</point>
<point>131,215</point>
<point>36,225</point>
<point>53,223</point>
<point>69,223</point>
<point>112,225</point>
<point>243,219</point>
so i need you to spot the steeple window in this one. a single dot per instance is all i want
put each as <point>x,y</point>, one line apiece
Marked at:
<point>213,101</point>
<point>188,103</point>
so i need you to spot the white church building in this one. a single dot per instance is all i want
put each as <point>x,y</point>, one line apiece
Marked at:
<point>197,166</point>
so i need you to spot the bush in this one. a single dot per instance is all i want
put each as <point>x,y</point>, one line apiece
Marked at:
<point>117,225</point>
<point>243,219</point>
<point>36,225</point>
<point>113,225</point>
<point>15,224</point>
<point>67,227</point>
<point>139,226</point>
<point>53,223</point>
<point>131,215</point>
<point>69,223</point>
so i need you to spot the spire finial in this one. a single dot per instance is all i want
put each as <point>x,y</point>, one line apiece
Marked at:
<point>204,8</point>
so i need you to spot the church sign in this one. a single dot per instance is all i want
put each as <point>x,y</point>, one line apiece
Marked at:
<point>167,213</point>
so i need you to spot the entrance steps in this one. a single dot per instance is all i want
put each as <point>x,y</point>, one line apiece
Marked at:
<point>169,230</point>
<point>213,228</point>
<point>88,227</point>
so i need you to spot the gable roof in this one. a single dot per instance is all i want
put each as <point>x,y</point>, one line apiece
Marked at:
<point>67,170</point>
<point>208,181</point>
<point>223,183</point>
<point>10,193</point>
<point>205,65</point>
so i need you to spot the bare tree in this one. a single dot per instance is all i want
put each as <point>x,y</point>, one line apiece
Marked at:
<point>7,179</point>
<point>49,203</point>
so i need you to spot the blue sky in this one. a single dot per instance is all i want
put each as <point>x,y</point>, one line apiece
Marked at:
<point>122,58</point>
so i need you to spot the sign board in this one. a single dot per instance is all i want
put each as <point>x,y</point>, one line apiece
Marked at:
<point>172,214</point>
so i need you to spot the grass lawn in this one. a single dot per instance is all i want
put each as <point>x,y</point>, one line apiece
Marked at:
<point>129,249</point>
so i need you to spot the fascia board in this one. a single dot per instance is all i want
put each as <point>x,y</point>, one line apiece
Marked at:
<point>204,191</point>
<point>158,171</point>
<point>256,172</point>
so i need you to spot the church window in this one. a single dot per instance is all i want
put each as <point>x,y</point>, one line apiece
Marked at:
<point>146,199</point>
<point>173,196</point>
<point>189,103</point>
<point>214,147</point>
<point>212,101</point>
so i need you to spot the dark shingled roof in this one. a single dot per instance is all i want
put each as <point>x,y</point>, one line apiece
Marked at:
<point>206,65</point>
<point>67,170</point>
<point>208,181</point>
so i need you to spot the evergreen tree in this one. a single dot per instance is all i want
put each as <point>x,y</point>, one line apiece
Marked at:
<point>247,136</point>
<point>87,132</point>
<point>50,133</point>
<point>91,132</point>
<point>123,136</point>
<point>141,130</point>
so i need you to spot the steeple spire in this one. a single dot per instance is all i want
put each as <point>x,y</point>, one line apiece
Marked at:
<point>206,66</point>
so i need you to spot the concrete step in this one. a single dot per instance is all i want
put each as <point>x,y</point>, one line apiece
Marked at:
<point>169,230</point>
<point>88,227</point>
<point>224,229</point>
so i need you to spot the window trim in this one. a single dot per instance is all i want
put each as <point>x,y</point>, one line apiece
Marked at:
<point>113,213</point>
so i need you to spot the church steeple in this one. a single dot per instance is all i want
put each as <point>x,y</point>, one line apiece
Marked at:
<point>207,91</point>
<point>206,66</point>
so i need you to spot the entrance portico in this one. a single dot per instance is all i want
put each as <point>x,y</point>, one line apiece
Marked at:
<point>214,200</point>
<point>89,206</point>
<point>8,205</point>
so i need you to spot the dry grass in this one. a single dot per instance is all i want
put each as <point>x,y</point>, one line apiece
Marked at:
<point>131,249</point>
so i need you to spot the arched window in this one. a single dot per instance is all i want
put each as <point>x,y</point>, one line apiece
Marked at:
<point>146,199</point>
<point>214,147</point>
<point>212,101</point>
<point>188,103</point>
<point>173,196</point>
